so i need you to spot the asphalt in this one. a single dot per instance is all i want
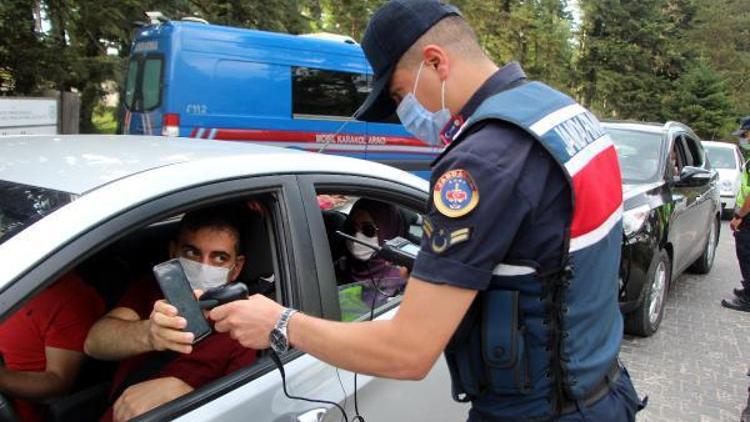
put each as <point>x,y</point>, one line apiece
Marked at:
<point>695,367</point>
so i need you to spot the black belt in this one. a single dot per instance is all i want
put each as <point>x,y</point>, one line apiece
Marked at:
<point>600,390</point>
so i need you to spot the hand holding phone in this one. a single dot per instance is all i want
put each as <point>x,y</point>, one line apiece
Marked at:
<point>176,288</point>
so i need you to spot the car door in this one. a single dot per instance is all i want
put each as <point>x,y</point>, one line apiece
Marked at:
<point>255,390</point>
<point>692,206</point>
<point>682,233</point>
<point>428,399</point>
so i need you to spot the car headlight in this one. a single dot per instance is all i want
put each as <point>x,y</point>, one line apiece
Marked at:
<point>633,220</point>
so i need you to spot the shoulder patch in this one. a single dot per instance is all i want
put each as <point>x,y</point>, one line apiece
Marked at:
<point>444,239</point>
<point>455,194</point>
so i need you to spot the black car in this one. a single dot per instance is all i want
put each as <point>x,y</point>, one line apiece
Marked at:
<point>671,215</point>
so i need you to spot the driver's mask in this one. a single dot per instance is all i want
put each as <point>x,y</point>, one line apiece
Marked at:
<point>202,276</point>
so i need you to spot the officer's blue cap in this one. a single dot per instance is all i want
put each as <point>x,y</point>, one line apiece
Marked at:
<point>393,29</point>
<point>744,126</point>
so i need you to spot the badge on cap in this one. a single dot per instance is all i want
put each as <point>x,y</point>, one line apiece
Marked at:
<point>455,194</point>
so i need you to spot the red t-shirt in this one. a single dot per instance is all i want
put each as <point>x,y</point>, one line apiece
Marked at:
<point>212,358</point>
<point>60,317</point>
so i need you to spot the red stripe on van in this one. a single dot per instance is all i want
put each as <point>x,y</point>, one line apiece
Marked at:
<point>312,137</point>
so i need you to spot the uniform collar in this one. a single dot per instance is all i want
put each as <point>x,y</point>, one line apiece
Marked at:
<point>506,77</point>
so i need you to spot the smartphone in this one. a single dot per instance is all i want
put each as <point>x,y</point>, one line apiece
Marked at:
<point>176,288</point>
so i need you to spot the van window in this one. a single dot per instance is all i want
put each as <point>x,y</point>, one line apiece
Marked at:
<point>151,85</point>
<point>130,84</point>
<point>143,87</point>
<point>324,93</point>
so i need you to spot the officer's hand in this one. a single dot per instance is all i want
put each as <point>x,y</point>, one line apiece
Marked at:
<point>248,321</point>
<point>165,330</point>
<point>403,272</point>
<point>735,223</point>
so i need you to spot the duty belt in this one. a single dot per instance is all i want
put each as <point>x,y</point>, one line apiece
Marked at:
<point>600,390</point>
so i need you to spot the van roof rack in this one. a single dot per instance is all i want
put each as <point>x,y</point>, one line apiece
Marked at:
<point>330,36</point>
<point>194,19</point>
<point>156,18</point>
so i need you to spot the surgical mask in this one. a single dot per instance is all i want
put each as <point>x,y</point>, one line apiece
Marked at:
<point>360,251</point>
<point>202,276</point>
<point>419,121</point>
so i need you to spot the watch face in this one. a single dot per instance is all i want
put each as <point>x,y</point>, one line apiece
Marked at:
<point>278,341</point>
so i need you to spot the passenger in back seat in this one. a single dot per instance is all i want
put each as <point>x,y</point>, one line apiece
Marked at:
<point>42,344</point>
<point>374,222</point>
<point>145,331</point>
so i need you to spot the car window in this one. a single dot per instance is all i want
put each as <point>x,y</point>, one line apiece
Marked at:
<point>723,158</point>
<point>639,154</point>
<point>696,151</point>
<point>152,71</point>
<point>684,156</point>
<point>21,205</point>
<point>120,275</point>
<point>367,284</point>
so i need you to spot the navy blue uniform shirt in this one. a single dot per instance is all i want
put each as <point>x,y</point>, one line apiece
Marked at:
<point>523,202</point>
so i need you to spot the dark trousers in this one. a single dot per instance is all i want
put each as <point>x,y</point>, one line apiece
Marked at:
<point>742,245</point>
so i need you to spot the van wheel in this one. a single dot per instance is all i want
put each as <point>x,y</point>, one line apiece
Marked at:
<point>703,264</point>
<point>645,320</point>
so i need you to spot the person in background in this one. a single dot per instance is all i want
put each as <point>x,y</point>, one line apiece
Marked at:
<point>741,229</point>
<point>42,344</point>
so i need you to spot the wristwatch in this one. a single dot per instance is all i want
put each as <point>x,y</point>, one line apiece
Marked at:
<point>278,337</point>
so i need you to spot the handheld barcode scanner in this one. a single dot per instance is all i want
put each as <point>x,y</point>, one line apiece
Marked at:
<point>397,250</point>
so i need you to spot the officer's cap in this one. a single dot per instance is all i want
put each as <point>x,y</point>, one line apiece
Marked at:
<point>393,29</point>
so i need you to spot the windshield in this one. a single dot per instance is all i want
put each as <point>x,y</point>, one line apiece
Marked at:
<point>721,158</point>
<point>639,154</point>
<point>22,205</point>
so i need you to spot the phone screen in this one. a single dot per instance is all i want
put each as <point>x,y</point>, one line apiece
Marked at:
<point>177,291</point>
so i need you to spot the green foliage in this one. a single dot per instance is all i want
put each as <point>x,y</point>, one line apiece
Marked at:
<point>683,60</point>
<point>700,98</point>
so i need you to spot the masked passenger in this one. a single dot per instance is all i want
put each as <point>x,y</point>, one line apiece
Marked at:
<point>373,222</point>
<point>144,331</point>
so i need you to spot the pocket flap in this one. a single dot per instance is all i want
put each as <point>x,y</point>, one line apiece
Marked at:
<point>500,328</point>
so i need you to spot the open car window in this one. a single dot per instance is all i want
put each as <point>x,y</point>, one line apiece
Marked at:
<point>121,270</point>
<point>368,285</point>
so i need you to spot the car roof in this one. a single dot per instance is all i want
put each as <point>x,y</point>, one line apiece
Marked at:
<point>642,127</point>
<point>726,145</point>
<point>81,163</point>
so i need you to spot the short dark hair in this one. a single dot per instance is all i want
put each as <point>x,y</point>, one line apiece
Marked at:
<point>217,218</point>
<point>452,31</point>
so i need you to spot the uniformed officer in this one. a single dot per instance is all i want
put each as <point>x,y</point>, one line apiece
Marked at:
<point>741,229</point>
<point>516,279</point>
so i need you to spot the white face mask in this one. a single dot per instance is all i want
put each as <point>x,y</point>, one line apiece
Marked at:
<point>359,251</point>
<point>202,276</point>
<point>419,121</point>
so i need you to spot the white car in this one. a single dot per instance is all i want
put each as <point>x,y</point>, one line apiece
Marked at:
<point>105,206</point>
<point>727,159</point>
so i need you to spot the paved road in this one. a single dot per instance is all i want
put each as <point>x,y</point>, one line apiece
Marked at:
<point>693,368</point>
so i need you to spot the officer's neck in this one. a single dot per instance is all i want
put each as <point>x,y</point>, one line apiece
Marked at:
<point>473,76</point>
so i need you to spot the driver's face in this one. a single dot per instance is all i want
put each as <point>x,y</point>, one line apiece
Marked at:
<point>210,246</point>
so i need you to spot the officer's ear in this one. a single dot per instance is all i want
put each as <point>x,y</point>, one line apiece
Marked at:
<point>437,58</point>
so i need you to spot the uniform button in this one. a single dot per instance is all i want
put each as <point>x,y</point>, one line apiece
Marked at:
<point>498,352</point>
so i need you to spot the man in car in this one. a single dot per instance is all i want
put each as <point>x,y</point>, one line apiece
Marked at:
<point>42,344</point>
<point>160,363</point>
<point>741,229</point>
<point>517,276</point>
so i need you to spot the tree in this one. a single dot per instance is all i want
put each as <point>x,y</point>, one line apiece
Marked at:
<point>700,98</point>
<point>23,54</point>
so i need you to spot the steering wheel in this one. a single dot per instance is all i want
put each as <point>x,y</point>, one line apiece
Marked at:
<point>7,412</point>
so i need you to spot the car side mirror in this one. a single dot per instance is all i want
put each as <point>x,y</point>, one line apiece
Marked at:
<point>693,177</point>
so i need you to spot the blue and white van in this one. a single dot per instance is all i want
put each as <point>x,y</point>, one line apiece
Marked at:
<point>192,79</point>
